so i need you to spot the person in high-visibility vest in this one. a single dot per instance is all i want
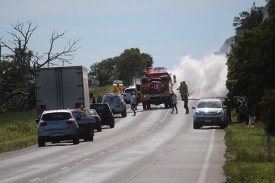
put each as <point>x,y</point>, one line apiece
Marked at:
<point>118,88</point>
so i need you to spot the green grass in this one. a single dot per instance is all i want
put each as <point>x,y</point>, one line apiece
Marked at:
<point>101,90</point>
<point>246,155</point>
<point>17,130</point>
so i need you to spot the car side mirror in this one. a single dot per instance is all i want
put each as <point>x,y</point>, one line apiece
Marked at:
<point>193,107</point>
<point>37,121</point>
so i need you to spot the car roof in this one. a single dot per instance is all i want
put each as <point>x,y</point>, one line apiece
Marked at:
<point>210,99</point>
<point>57,110</point>
<point>114,93</point>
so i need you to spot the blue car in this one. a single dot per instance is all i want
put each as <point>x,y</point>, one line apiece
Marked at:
<point>57,125</point>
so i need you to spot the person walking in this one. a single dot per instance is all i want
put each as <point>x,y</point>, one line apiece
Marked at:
<point>133,102</point>
<point>174,99</point>
<point>186,102</point>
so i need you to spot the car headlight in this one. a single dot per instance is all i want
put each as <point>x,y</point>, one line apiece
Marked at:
<point>197,112</point>
<point>219,112</point>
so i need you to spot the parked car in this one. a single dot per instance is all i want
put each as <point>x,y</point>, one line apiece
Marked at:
<point>57,125</point>
<point>116,103</point>
<point>98,119</point>
<point>105,113</point>
<point>209,112</point>
<point>127,94</point>
<point>86,123</point>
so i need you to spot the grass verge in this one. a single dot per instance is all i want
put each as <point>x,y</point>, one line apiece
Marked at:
<point>17,130</point>
<point>101,90</point>
<point>246,155</point>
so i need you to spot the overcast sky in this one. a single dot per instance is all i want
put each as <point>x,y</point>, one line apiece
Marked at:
<point>166,29</point>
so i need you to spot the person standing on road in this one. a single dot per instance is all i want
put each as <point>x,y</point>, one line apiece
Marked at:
<point>133,102</point>
<point>174,99</point>
<point>227,103</point>
<point>186,102</point>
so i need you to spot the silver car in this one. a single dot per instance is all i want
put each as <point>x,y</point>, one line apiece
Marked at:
<point>57,125</point>
<point>209,112</point>
<point>127,94</point>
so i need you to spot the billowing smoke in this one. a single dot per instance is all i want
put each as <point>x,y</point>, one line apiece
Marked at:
<point>205,78</point>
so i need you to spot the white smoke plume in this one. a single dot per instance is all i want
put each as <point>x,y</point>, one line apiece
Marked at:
<point>205,78</point>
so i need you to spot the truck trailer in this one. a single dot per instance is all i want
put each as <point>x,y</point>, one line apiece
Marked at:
<point>61,88</point>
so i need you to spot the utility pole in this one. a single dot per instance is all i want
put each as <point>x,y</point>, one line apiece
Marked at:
<point>0,51</point>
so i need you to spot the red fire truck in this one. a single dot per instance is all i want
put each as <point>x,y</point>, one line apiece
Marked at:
<point>156,87</point>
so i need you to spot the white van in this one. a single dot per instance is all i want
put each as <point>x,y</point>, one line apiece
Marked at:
<point>127,94</point>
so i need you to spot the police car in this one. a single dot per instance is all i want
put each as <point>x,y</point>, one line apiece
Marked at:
<point>116,103</point>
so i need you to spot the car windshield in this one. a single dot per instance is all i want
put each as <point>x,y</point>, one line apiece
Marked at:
<point>209,104</point>
<point>93,112</point>
<point>107,99</point>
<point>129,90</point>
<point>56,116</point>
<point>100,107</point>
<point>79,113</point>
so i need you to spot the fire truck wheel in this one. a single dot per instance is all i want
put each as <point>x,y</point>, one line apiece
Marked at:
<point>144,106</point>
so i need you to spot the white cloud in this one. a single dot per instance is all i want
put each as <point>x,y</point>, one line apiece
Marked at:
<point>205,78</point>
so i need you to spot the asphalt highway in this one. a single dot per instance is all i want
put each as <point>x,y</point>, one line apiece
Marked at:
<point>153,146</point>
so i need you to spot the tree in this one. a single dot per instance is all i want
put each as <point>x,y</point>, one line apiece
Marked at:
<point>267,104</point>
<point>18,66</point>
<point>127,65</point>
<point>131,63</point>
<point>103,71</point>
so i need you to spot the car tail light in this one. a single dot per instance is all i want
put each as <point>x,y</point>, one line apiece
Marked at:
<point>121,104</point>
<point>96,117</point>
<point>71,121</point>
<point>42,123</point>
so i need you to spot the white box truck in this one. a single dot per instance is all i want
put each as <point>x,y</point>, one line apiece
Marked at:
<point>61,88</point>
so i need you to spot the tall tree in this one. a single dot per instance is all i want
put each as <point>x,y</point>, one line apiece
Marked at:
<point>20,64</point>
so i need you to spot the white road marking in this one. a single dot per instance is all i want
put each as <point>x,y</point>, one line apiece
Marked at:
<point>35,179</point>
<point>101,153</point>
<point>64,168</point>
<point>203,173</point>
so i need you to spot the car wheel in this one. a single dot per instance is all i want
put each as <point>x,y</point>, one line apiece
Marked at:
<point>41,143</point>
<point>124,114</point>
<point>99,129</point>
<point>112,125</point>
<point>196,126</point>
<point>76,140</point>
<point>223,126</point>
<point>90,134</point>
<point>144,106</point>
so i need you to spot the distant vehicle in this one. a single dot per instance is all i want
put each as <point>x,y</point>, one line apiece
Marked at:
<point>86,123</point>
<point>115,82</point>
<point>156,87</point>
<point>127,94</point>
<point>98,119</point>
<point>209,112</point>
<point>116,103</point>
<point>61,88</point>
<point>105,113</point>
<point>57,125</point>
